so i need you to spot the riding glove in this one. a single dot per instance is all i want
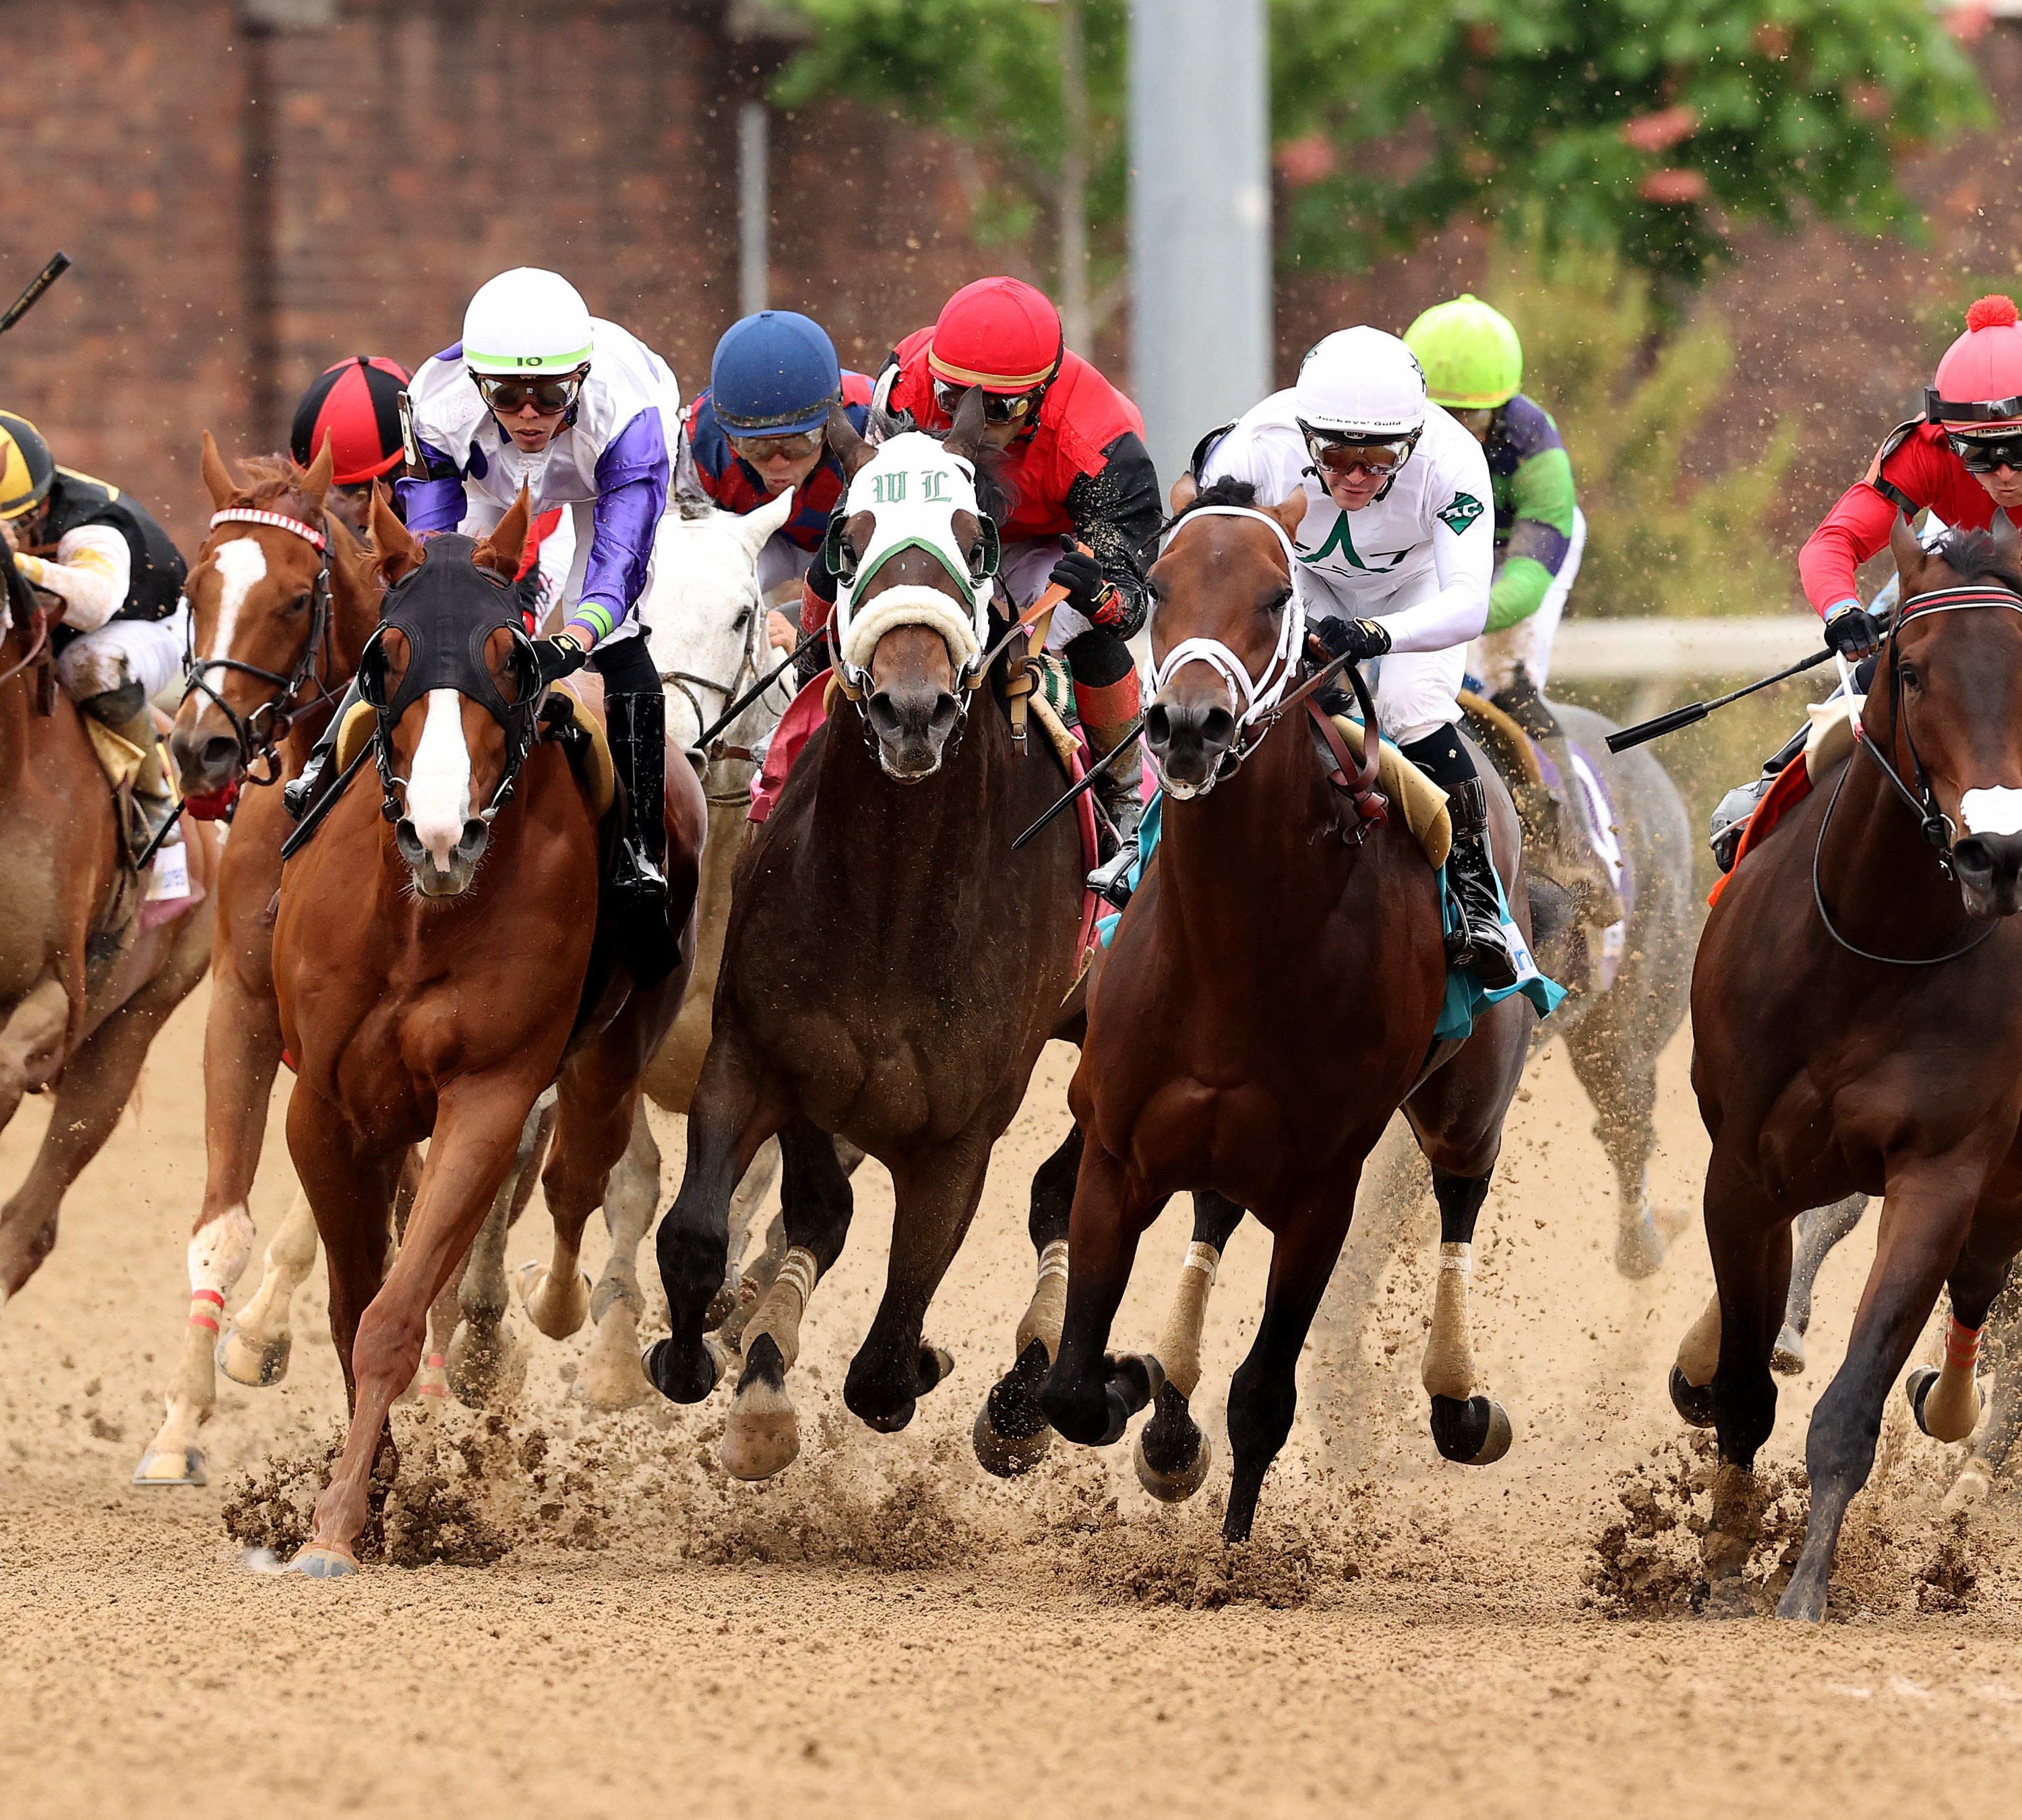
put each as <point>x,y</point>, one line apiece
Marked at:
<point>558,656</point>
<point>1090,593</point>
<point>1851,631</point>
<point>1358,639</point>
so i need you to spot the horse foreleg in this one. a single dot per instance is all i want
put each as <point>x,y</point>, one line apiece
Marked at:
<point>486,1363</point>
<point>610,1378</point>
<point>1819,1230</point>
<point>595,1110</point>
<point>745,1200</point>
<point>1264,1395</point>
<point>1467,1426</point>
<point>762,1434</point>
<point>1996,1438</point>
<point>1172,1455</point>
<point>31,1051</point>
<point>430,1389</point>
<point>1619,1074</point>
<point>1011,1433</point>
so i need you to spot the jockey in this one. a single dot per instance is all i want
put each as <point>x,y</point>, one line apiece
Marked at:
<point>355,407</point>
<point>1396,554</point>
<point>119,583</point>
<point>759,429</point>
<point>540,393</point>
<point>1962,460</point>
<point>1474,363</point>
<point>1074,462</point>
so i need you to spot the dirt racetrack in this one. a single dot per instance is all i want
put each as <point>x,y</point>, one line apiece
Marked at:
<point>884,1630</point>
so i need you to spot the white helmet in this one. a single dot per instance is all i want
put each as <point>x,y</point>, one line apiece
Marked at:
<point>526,321</point>
<point>1360,383</point>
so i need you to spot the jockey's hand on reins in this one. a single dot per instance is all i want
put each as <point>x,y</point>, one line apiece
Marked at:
<point>558,656</point>
<point>1090,593</point>
<point>1851,631</point>
<point>1357,640</point>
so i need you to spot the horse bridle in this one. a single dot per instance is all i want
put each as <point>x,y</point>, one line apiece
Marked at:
<point>259,733</point>
<point>1937,827</point>
<point>688,682</point>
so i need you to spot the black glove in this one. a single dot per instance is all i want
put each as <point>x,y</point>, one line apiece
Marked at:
<point>1851,631</point>
<point>1358,639</point>
<point>558,656</point>
<point>1090,593</point>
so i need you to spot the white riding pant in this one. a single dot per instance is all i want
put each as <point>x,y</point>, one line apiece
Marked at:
<point>1024,568</point>
<point>1416,690</point>
<point>1495,657</point>
<point>148,651</point>
<point>781,565</point>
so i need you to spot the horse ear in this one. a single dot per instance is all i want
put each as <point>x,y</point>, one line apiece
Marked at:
<point>850,448</point>
<point>756,527</point>
<point>965,436</point>
<point>1184,490</point>
<point>315,483</point>
<point>399,553</point>
<point>1290,513</point>
<point>501,552</point>
<point>1908,553</point>
<point>217,477</point>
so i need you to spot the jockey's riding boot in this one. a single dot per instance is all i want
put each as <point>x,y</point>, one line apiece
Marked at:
<point>1118,792</point>
<point>637,727</point>
<point>299,796</point>
<point>155,804</point>
<point>1731,813</point>
<point>1479,944</point>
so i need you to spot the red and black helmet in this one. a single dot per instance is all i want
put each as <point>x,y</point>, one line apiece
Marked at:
<point>355,407</point>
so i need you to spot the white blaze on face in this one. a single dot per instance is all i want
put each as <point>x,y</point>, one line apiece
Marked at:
<point>439,792</point>
<point>242,565</point>
<point>1996,811</point>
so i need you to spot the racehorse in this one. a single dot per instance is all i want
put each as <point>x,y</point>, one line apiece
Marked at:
<point>891,970</point>
<point>89,972</point>
<point>438,962</point>
<point>1857,1026</point>
<point>1270,998</point>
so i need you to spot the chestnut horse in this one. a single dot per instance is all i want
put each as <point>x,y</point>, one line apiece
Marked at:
<point>1269,1000</point>
<point>434,968</point>
<point>88,973</point>
<point>891,972</point>
<point>1857,1026</point>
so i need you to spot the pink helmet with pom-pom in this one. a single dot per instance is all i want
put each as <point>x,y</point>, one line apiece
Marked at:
<point>1979,381</point>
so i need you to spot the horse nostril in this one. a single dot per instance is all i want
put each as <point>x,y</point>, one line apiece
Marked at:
<point>1158,726</point>
<point>1972,855</point>
<point>883,716</point>
<point>943,716</point>
<point>1218,729</point>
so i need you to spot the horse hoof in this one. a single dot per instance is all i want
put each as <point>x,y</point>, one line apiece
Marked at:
<point>1975,1480</point>
<point>1473,1433</point>
<point>684,1379</point>
<point>557,1309</point>
<point>1182,1482</point>
<point>1951,1420</point>
<point>1804,1600</point>
<point>762,1436</point>
<point>1639,1250</point>
<point>891,1421</point>
<point>936,1364</point>
<point>1007,1456</point>
<point>1693,1401</point>
<point>1787,1358</point>
<point>611,1379</point>
<point>171,1466</point>
<point>319,1562</point>
<point>257,1363</point>
<point>487,1366</point>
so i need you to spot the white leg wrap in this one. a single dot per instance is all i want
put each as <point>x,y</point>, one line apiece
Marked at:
<point>1179,1340</point>
<point>1048,1307</point>
<point>1699,1352</point>
<point>1448,1370</point>
<point>221,1249</point>
<point>780,1313</point>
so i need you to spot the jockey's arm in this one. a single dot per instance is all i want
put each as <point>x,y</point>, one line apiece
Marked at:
<point>1463,560</point>
<point>632,476</point>
<point>1914,475</point>
<point>436,503</point>
<point>1542,499</point>
<point>1115,511</point>
<point>91,572</point>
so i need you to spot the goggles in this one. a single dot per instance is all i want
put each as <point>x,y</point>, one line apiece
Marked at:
<point>765,448</point>
<point>1343,456</point>
<point>550,397</point>
<point>998,407</point>
<point>1987,455</point>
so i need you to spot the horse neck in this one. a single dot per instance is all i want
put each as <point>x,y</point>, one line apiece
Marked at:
<point>17,708</point>
<point>869,824</point>
<point>1880,876</point>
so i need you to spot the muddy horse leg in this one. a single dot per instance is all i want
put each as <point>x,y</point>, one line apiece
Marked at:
<point>486,1363</point>
<point>1620,1077</point>
<point>1467,1427</point>
<point>256,1346</point>
<point>2000,1344</point>
<point>1172,1455</point>
<point>1819,1230</point>
<point>610,1378</point>
<point>1011,1433</point>
<point>762,1434</point>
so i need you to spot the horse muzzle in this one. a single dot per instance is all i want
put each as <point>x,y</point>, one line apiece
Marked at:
<point>205,756</point>
<point>1187,741</point>
<point>1989,870</point>
<point>912,726</point>
<point>442,872</point>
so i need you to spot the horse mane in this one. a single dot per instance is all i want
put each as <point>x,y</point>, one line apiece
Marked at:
<point>276,482</point>
<point>1973,556</point>
<point>1228,491</point>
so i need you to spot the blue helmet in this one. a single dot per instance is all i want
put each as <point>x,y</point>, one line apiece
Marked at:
<point>774,373</point>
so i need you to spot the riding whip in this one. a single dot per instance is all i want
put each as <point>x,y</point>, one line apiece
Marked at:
<point>1127,743</point>
<point>753,693</point>
<point>57,266</point>
<point>1694,712</point>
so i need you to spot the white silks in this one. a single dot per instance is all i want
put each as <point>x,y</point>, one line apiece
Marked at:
<point>912,488</point>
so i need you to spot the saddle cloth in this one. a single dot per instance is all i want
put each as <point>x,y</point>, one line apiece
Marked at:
<point>1830,740</point>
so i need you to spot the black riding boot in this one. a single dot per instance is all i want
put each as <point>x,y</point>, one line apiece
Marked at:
<point>299,796</point>
<point>637,726</point>
<point>1479,943</point>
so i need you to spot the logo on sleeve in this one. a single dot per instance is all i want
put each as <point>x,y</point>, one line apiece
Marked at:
<point>1462,512</point>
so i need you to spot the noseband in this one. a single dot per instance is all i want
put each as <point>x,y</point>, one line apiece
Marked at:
<point>1920,801</point>
<point>259,733</point>
<point>688,682</point>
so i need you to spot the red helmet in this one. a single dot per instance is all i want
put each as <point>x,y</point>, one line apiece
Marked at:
<point>998,333</point>
<point>1979,379</point>
<point>355,406</point>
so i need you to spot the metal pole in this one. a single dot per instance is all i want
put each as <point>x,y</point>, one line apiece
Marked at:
<point>1077,318</point>
<point>1200,218</point>
<point>755,206</point>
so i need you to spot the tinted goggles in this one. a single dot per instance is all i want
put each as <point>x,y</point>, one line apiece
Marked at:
<point>1337,456</point>
<point>998,407</point>
<point>765,448</point>
<point>550,397</point>
<point>1985,455</point>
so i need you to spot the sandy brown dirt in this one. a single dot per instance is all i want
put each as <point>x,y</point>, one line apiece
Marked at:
<point>884,1629</point>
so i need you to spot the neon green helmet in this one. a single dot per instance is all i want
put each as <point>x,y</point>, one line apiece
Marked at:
<point>1473,359</point>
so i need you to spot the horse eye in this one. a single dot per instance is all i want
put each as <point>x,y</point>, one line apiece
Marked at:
<point>302,602</point>
<point>742,620</point>
<point>1909,677</point>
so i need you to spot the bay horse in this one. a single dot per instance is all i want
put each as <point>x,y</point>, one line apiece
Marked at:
<point>1269,1000</point>
<point>433,958</point>
<point>1857,1027</point>
<point>89,972</point>
<point>891,972</point>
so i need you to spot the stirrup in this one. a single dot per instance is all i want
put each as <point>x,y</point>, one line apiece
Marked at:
<point>1111,880</point>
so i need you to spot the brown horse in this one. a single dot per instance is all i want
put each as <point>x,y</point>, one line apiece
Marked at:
<point>436,971</point>
<point>891,972</point>
<point>281,599</point>
<point>1857,1026</point>
<point>87,975</point>
<point>1269,1000</point>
